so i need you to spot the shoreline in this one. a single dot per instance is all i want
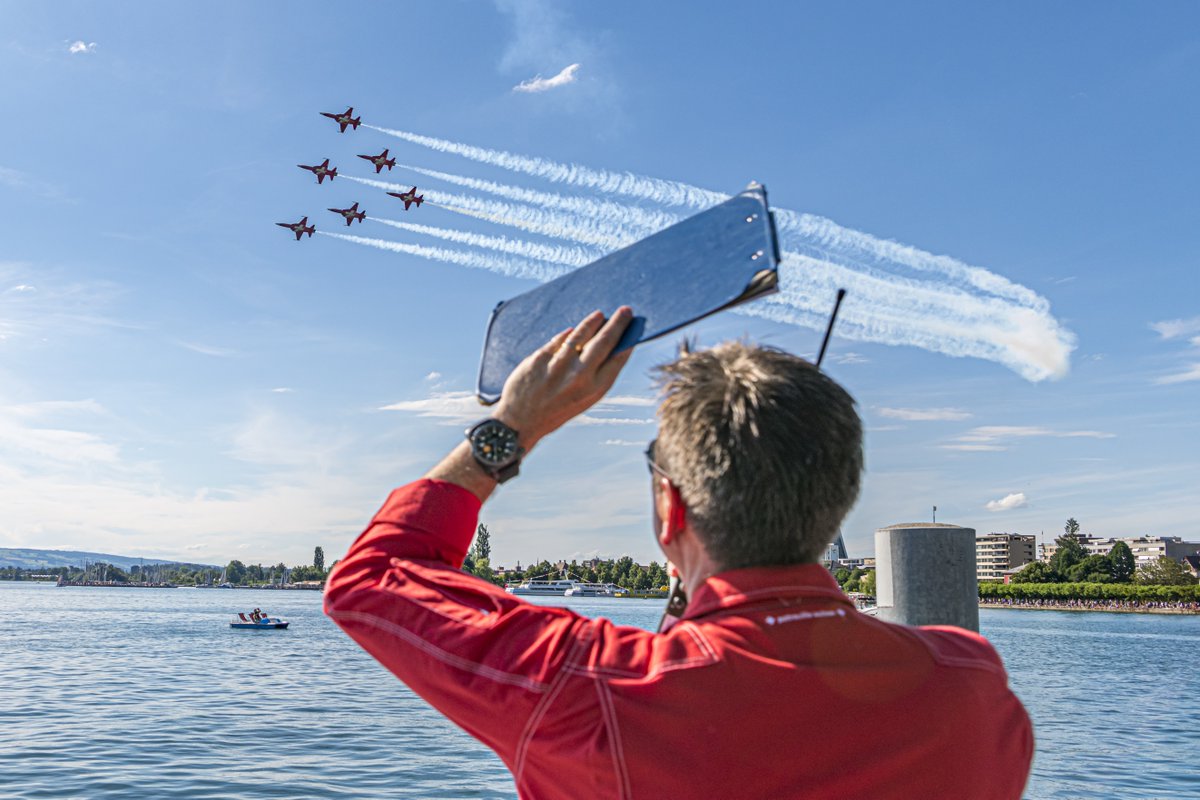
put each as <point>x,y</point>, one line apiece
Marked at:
<point>1104,609</point>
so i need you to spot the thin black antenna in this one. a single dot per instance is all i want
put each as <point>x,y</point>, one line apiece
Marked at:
<point>829,330</point>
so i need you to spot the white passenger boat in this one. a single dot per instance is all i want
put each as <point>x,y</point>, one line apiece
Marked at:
<point>583,589</point>
<point>546,588</point>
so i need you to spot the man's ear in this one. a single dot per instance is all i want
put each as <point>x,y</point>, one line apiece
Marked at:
<point>671,511</point>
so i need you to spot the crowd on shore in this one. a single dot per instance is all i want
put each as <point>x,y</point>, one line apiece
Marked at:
<point>1079,604</point>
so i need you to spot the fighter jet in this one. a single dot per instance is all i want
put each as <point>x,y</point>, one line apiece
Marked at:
<point>344,119</point>
<point>409,197</point>
<point>352,213</point>
<point>380,161</point>
<point>299,228</point>
<point>322,170</point>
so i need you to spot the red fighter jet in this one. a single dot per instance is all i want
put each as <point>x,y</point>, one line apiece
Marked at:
<point>409,197</point>
<point>344,119</point>
<point>322,170</point>
<point>352,213</point>
<point>299,228</point>
<point>380,161</point>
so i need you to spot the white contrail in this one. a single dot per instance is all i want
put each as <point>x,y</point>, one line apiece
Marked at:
<point>512,267</point>
<point>566,255</point>
<point>555,224</point>
<point>813,230</point>
<point>901,294</point>
<point>638,221</point>
<point>670,193</point>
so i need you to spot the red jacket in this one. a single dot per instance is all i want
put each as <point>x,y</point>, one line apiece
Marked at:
<point>772,686</point>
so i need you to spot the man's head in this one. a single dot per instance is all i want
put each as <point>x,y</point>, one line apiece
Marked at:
<point>764,449</point>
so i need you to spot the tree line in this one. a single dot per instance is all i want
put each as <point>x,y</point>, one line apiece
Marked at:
<point>235,572</point>
<point>1072,564</point>
<point>623,572</point>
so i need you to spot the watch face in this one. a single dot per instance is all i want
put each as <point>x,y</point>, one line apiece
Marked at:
<point>494,443</point>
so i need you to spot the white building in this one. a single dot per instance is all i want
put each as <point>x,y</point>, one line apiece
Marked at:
<point>1000,553</point>
<point>1146,549</point>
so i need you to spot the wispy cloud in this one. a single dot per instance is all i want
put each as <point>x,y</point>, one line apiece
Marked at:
<point>925,414</point>
<point>433,377</point>
<point>1192,373</point>
<point>22,287</point>
<point>206,350</point>
<point>1170,329</point>
<point>16,179</point>
<point>457,408</point>
<point>623,443</point>
<point>1174,328</point>
<point>998,437</point>
<point>1008,502</point>
<point>452,408</point>
<point>851,358</point>
<point>79,47</point>
<point>540,84</point>
<point>283,390</point>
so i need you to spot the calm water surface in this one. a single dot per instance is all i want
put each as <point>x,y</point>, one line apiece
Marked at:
<point>147,693</point>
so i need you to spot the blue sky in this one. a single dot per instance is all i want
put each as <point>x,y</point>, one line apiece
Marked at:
<point>180,378</point>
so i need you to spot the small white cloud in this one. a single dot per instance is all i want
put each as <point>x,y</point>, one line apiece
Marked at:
<point>540,84</point>
<point>925,414</point>
<point>23,287</point>
<point>851,358</point>
<point>1196,341</point>
<point>1174,328</point>
<point>80,46</point>
<point>283,390</point>
<point>1008,502</point>
<point>623,443</point>
<point>433,376</point>
<point>627,400</point>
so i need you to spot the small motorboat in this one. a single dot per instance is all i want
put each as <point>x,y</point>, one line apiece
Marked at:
<point>263,624</point>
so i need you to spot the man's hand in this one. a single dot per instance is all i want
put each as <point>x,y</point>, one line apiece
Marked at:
<point>564,377</point>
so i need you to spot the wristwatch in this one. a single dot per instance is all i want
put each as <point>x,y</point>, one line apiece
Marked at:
<point>496,449</point>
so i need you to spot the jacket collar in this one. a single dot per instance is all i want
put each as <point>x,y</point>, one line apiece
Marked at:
<point>764,585</point>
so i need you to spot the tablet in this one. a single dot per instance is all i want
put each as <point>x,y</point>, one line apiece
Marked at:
<point>714,260</point>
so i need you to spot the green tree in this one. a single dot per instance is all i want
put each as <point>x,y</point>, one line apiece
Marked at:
<point>235,572</point>
<point>866,584</point>
<point>1165,571</point>
<point>319,559</point>
<point>1036,572</point>
<point>1069,551</point>
<point>1121,563</point>
<point>1092,569</point>
<point>482,548</point>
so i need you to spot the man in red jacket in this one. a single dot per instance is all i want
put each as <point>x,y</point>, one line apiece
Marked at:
<point>771,685</point>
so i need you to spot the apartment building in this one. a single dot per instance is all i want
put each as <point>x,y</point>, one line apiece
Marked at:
<point>1145,548</point>
<point>998,553</point>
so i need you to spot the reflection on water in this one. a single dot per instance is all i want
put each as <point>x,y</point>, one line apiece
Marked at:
<point>148,693</point>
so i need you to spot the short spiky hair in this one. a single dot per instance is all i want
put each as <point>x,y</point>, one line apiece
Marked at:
<point>766,452</point>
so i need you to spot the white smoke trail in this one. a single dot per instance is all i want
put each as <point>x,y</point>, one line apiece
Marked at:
<point>555,224</point>
<point>974,313</point>
<point>637,221</point>
<point>670,193</point>
<point>556,254</point>
<point>818,232</point>
<point>512,267</point>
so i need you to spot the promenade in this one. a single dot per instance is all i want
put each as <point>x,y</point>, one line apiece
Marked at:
<point>1117,606</point>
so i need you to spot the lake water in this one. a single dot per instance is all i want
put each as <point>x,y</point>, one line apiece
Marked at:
<point>147,693</point>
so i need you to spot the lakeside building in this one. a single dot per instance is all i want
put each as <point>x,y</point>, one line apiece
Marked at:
<point>1146,549</point>
<point>997,554</point>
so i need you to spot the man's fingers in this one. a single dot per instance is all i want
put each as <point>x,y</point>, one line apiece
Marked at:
<point>606,376</point>
<point>572,345</point>
<point>596,351</point>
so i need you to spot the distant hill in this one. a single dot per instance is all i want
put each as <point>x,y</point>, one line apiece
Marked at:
<point>27,558</point>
